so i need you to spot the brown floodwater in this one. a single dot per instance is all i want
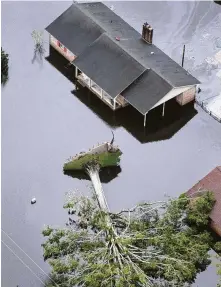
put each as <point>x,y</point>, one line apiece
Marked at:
<point>44,121</point>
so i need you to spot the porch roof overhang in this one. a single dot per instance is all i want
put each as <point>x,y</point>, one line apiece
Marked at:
<point>110,67</point>
<point>146,91</point>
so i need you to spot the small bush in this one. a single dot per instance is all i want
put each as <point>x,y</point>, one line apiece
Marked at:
<point>4,69</point>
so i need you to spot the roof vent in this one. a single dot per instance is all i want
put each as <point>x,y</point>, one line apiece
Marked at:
<point>147,33</point>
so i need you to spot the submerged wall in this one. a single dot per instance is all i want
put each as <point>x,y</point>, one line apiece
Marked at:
<point>61,48</point>
<point>186,97</point>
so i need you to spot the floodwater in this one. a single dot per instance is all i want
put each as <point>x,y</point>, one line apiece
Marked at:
<point>44,121</point>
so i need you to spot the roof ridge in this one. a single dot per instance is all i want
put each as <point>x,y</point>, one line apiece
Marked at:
<point>80,5</point>
<point>106,32</point>
<point>130,41</point>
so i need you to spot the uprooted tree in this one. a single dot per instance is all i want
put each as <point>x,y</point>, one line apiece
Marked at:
<point>152,244</point>
<point>39,49</point>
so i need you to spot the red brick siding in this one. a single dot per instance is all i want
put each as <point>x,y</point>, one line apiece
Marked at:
<point>64,51</point>
<point>186,97</point>
<point>211,182</point>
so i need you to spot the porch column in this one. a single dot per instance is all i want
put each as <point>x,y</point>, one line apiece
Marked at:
<point>76,72</point>
<point>89,82</point>
<point>102,93</point>
<point>145,117</point>
<point>114,104</point>
<point>163,109</point>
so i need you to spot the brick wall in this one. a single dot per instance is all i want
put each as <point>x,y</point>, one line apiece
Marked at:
<point>61,49</point>
<point>186,97</point>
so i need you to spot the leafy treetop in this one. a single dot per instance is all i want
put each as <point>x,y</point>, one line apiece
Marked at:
<point>153,244</point>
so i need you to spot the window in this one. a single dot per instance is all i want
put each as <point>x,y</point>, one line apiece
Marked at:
<point>61,46</point>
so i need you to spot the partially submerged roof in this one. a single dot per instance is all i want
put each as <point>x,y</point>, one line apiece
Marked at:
<point>132,42</point>
<point>146,91</point>
<point>74,29</point>
<point>211,182</point>
<point>90,31</point>
<point>109,66</point>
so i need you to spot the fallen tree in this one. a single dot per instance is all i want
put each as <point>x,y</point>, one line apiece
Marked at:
<point>102,156</point>
<point>151,244</point>
<point>162,243</point>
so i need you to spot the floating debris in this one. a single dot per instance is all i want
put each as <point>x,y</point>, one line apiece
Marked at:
<point>33,201</point>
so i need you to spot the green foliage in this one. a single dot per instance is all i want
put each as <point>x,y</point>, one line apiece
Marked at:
<point>199,209</point>
<point>104,159</point>
<point>151,245</point>
<point>217,247</point>
<point>4,67</point>
<point>219,273</point>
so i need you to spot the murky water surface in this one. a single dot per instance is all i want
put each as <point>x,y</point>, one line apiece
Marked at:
<point>44,121</point>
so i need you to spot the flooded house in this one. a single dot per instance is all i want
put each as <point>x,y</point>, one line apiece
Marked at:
<point>118,64</point>
<point>211,182</point>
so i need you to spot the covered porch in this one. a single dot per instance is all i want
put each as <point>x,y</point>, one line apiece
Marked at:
<point>113,103</point>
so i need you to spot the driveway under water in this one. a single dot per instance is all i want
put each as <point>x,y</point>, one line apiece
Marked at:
<point>44,121</point>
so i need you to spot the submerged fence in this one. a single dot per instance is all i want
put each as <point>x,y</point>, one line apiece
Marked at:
<point>204,106</point>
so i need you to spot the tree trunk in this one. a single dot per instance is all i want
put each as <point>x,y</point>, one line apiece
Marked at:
<point>95,178</point>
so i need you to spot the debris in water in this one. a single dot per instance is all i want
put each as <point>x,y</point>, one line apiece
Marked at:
<point>152,53</point>
<point>33,201</point>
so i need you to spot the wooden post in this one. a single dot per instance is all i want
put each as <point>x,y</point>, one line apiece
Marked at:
<point>163,109</point>
<point>145,117</point>
<point>76,72</point>
<point>102,93</point>
<point>90,83</point>
<point>114,104</point>
<point>183,55</point>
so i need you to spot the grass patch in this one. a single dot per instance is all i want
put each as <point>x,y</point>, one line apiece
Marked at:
<point>105,159</point>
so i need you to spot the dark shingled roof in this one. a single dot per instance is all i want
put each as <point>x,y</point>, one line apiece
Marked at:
<point>211,182</point>
<point>132,42</point>
<point>74,30</point>
<point>146,91</point>
<point>109,66</point>
<point>93,26</point>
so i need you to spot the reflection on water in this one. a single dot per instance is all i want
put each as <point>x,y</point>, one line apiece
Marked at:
<point>61,64</point>
<point>107,174</point>
<point>43,123</point>
<point>157,127</point>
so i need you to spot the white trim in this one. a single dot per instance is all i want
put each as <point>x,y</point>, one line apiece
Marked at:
<point>145,118</point>
<point>172,94</point>
<point>163,109</point>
